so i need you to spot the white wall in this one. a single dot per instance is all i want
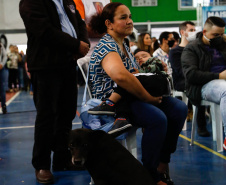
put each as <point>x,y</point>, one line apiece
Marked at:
<point>15,39</point>
<point>9,15</point>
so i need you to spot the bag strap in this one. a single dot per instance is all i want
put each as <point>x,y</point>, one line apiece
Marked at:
<point>86,87</point>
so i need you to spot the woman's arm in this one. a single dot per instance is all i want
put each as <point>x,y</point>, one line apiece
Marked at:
<point>114,67</point>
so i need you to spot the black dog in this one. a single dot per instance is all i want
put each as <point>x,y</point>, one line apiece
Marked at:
<point>107,161</point>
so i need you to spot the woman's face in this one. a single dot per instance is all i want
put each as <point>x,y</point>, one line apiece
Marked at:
<point>123,24</point>
<point>147,40</point>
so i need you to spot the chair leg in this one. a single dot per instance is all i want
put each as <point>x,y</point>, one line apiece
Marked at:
<point>131,142</point>
<point>185,100</point>
<point>185,125</point>
<point>123,142</point>
<point>194,120</point>
<point>217,127</point>
<point>91,182</point>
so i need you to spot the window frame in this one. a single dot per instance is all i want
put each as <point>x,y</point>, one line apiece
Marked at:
<point>180,7</point>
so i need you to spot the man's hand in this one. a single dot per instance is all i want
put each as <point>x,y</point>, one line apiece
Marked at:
<point>222,75</point>
<point>83,48</point>
<point>1,66</point>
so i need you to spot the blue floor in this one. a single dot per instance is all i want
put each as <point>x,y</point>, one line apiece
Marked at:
<point>190,165</point>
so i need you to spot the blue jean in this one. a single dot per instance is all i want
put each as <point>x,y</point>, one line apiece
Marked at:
<point>162,125</point>
<point>215,91</point>
<point>2,86</point>
<point>21,77</point>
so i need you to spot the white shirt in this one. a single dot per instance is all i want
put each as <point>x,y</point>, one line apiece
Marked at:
<point>162,55</point>
<point>66,25</point>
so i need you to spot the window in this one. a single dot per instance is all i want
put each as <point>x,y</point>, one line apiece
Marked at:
<point>144,2</point>
<point>185,4</point>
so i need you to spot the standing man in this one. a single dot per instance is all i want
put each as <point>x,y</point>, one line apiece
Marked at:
<point>57,37</point>
<point>188,34</point>
<point>204,66</point>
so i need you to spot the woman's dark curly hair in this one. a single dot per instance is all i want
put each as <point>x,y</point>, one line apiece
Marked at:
<point>97,22</point>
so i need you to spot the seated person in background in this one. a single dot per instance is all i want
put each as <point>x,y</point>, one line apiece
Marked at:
<point>188,34</point>
<point>112,62</point>
<point>204,66</point>
<point>152,76</point>
<point>176,37</point>
<point>145,43</point>
<point>133,40</point>
<point>166,42</point>
<point>155,43</point>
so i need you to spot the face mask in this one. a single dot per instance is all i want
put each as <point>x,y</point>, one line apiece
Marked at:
<point>171,43</point>
<point>133,48</point>
<point>216,42</point>
<point>191,36</point>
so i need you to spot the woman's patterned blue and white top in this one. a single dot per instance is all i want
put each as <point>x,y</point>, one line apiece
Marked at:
<point>101,85</point>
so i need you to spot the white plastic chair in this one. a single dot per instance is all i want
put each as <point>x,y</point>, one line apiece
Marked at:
<point>83,64</point>
<point>130,142</point>
<point>216,119</point>
<point>185,100</point>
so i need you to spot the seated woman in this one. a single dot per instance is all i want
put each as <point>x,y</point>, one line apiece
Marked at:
<point>111,62</point>
<point>152,75</point>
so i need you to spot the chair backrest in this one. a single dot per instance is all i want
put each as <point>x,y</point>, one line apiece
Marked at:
<point>83,64</point>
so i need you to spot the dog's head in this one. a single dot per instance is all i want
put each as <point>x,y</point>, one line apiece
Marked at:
<point>78,144</point>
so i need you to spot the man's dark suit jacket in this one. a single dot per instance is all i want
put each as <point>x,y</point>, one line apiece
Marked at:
<point>49,48</point>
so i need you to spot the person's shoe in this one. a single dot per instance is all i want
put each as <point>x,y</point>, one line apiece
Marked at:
<point>203,132</point>
<point>44,176</point>
<point>103,108</point>
<point>4,110</point>
<point>120,125</point>
<point>166,178</point>
<point>77,166</point>
<point>224,145</point>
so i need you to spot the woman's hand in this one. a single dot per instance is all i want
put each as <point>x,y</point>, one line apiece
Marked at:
<point>222,75</point>
<point>119,74</point>
<point>155,100</point>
